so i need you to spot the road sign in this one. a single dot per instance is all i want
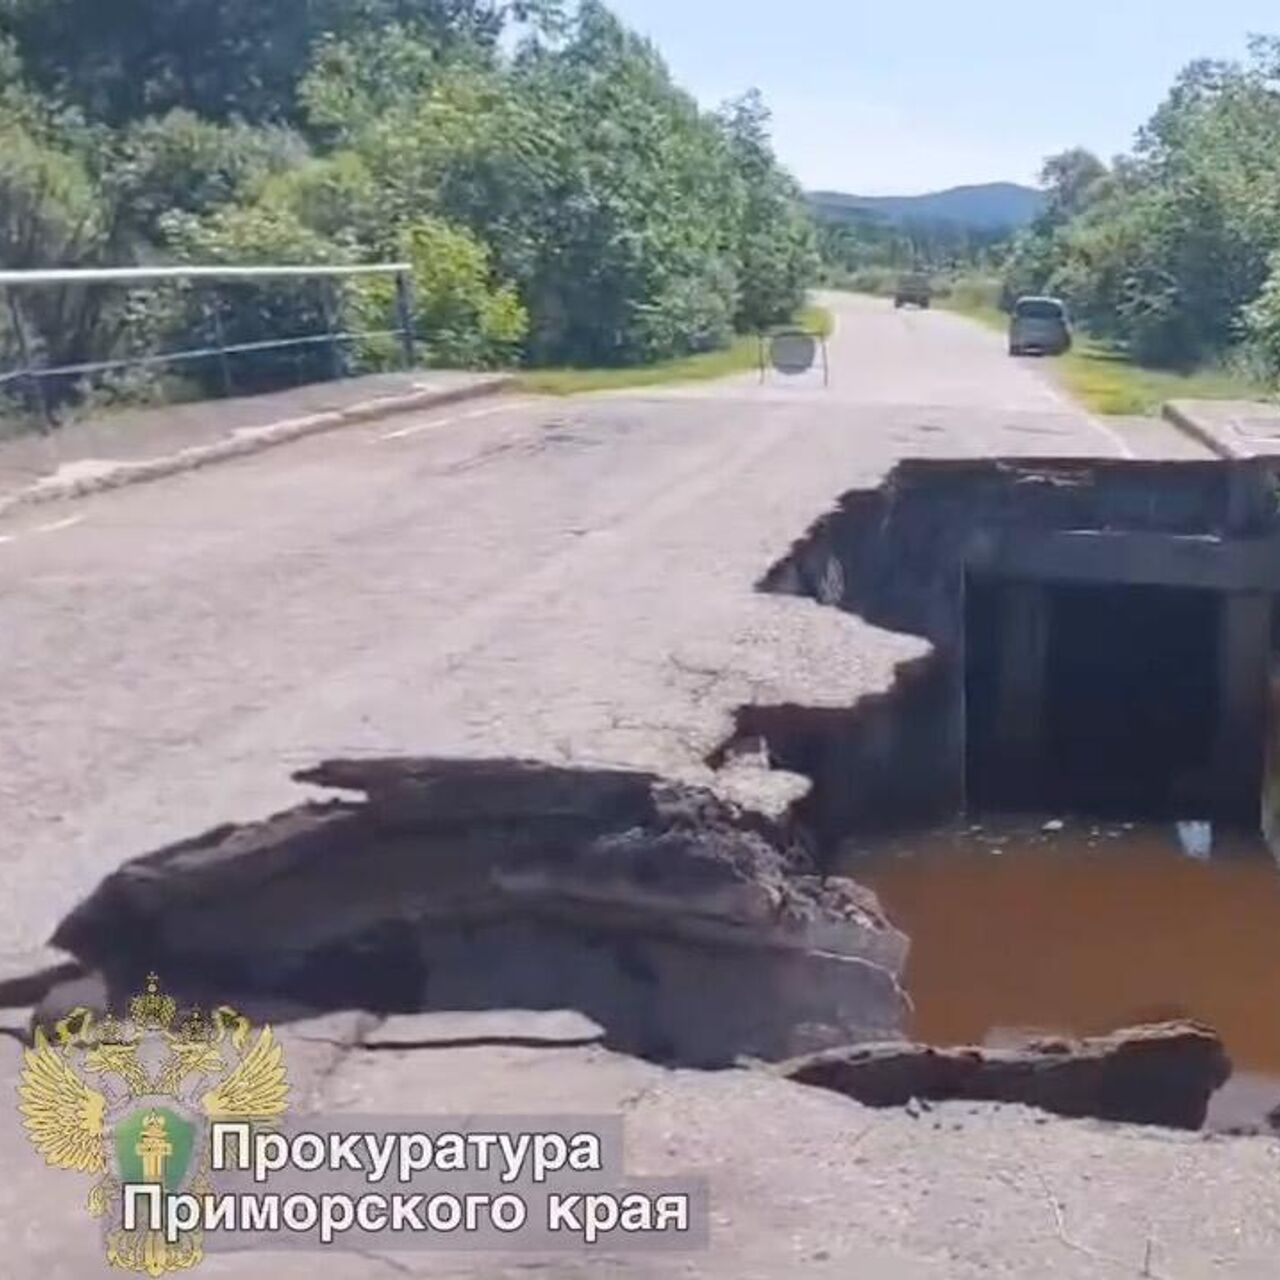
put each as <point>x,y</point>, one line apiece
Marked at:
<point>793,352</point>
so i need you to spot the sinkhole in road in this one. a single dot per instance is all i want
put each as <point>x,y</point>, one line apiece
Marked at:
<point>1100,699</point>
<point>1102,639</point>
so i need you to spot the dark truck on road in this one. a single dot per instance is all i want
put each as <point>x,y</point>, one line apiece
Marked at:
<point>914,290</point>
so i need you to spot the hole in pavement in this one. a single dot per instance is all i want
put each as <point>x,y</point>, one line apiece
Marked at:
<point>1066,804</point>
<point>1102,644</point>
<point>696,933</point>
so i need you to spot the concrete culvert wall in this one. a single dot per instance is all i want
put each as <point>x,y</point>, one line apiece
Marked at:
<point>1071,604</point>
<point>881,766</point>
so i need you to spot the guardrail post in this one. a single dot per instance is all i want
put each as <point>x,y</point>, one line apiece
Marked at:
<point>329,309</point>
<point>404,313</point>
<point>214,312</point>
<point>33,379</point>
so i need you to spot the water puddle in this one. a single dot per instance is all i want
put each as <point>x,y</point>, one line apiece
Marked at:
<point>1079,929</point>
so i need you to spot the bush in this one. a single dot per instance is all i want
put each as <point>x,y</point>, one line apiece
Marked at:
<point>881,281</point>
<point>463,317</point>
<point>1260,324</point>
<point>252,312</point>
<point>50,214</point>
<point>691,313</point>
<point>975,293</point>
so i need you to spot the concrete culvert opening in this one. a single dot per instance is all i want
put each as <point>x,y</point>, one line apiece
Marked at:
<point>1102,643</point>
<point>1064,803</point>
<point>1105,700</point>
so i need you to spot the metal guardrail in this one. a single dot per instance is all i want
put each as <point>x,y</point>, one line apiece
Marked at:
<point>34,374</point>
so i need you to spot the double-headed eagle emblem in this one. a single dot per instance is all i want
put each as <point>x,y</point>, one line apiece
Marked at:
<point>165,1078</point>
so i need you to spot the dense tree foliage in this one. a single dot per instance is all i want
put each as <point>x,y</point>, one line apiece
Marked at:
<point>561,198</point>
<point>1171,251</point>
<point>121,60</point>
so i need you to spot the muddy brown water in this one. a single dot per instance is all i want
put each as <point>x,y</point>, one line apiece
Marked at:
<point>1087,929</point>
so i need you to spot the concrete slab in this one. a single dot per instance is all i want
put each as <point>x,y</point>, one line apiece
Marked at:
<point>1229,428</point>
<point>493,1026</point>
<point>1159,438</point>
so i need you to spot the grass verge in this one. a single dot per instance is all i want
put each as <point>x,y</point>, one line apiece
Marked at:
<point>740,356</point>
<point>1106,381</point>
<point>991,317</point>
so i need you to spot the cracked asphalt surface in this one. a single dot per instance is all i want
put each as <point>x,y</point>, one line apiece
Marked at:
<point>802,1182</point>
<point>571,580</point>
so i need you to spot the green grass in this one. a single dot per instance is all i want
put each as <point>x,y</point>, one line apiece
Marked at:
<point>739,357</point>
<point>1106,381</point>
<point>992,317</point>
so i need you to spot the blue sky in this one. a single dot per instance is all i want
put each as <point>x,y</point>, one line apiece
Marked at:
<point>886,96</point>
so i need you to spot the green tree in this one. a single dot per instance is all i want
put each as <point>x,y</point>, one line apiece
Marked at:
<point>1261,323</point>
<point>1165,252</point>
<point>181,163</point>
<point>464,317</point>
<point>220,58</point>
<point>776,249</point>
<point>565,200</point>
<point>617,208</point>
<point>1071,179</point>
<point>241,313</point>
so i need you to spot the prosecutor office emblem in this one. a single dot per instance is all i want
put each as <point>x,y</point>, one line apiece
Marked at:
<point>160,1079</point>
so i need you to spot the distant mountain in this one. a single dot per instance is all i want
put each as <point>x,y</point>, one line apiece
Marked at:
<point>990,206</point>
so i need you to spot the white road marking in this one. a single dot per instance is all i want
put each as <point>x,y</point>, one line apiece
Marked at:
<point>50,527</point>
<point>1060,397</point>
<point>405,432</point>
<point>1126,450</point>
<point>58,524</point>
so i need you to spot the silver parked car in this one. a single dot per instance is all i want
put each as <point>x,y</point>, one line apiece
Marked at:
<point>1039,326</point>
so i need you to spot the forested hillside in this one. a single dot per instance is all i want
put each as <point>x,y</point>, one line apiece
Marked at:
<point>866,241</point>
<point>1173,252</point>
<point>990,206</point>
<point>561,199</point>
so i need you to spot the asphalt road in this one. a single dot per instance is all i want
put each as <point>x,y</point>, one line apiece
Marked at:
<point>802,1182</point>
<point>572,580</point>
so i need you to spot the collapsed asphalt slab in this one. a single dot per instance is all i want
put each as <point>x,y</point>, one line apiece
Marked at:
<point>691,930</point>
<point>686,929</point>
<point>1157,1075</point>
